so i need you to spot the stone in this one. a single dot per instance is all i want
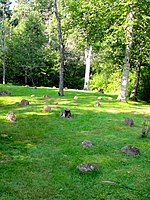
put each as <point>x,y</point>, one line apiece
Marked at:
<point>24,102</point>
<point>109,98</point>
<point>75,97</point>
<point>11,117</point>
<point>97,103</point>
<point>5,93</point>
<point>32,95</point>
<point>27,86</point>
<point>54,87</point>
<point>86,143</point>
<point>130,150</point>
<point>100,98</point>
<point>46,96</point>
<point>66,113</point>
<point>129,121</point>
<point>87,167</point>
<point>46,109</point>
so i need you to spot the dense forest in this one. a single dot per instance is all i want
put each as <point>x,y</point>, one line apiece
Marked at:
<point>77,44</point>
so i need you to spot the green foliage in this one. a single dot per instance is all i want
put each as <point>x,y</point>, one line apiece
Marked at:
<point>144,85</point>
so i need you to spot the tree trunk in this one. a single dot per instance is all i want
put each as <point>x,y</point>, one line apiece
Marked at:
<point>26,77</point>
<point>136,82</point>
<point>87,69</point>
<point>126,67</point>
<point>3,47</point>
<point>61,47</point>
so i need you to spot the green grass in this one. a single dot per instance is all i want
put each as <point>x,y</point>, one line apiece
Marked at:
<point>39,152</point>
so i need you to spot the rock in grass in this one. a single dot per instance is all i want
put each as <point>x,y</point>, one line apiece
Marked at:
<point>130,150</point>
<point>109,98</point>
<point>75,97</point>
<point>87,167</point>
<point>129,121</point>
<point>86,143</point>
<point>46,96</point>
<point>66,113</point>
<point>24,102</point>
<point>5,93</point>
<point>11,117</point>
<point>46,109</point>
<point>99,98</point>
<point>97,103</point>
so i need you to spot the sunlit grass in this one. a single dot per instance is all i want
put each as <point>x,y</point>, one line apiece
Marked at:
<point>39,152</point>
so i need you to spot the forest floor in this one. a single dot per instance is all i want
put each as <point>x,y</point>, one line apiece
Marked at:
<point>40,151</point>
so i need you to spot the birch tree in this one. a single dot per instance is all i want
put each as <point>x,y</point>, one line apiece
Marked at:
<point>88,55</point>
<point>126,66</point>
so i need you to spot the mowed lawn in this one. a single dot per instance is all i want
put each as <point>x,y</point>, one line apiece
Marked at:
<point>40,152</point>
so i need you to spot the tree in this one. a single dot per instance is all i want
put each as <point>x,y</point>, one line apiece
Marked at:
<point>4,12</point>
<point>28,41</point>
<point>61,48</point>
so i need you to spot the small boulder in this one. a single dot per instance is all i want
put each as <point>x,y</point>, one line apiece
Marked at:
<point>46,109</point>
<point>11,117</point>
<point>46,96</point>
<point>66,113</point>
<point>76,97</point>
<point>24,102</point>
<point>97,104</point>
<point>5,93</point>
<point>86,143</point>
<point>129,121</point>
<point>130,150</point>
<point>100,98</point>
<point>109,98</point>
<point>87,167</point>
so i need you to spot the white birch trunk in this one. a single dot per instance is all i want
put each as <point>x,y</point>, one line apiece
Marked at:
<point>126,67</point>
<point>88,55</point>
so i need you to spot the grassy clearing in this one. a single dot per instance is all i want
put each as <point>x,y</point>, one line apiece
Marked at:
<point>39,152</point>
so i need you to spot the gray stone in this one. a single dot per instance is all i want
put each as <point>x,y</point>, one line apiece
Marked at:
<point>24,102</point>
<point>87,167</point>
<point>109,98</point>
<point>46,96</point>
<point>129,121</point>
<point>130,150</point>
<point>11,117</point>
<point>75,97</point>
<point>5,93</point>
<point>97,103</point>
<point>86,143</point>
<point>46,109</point>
